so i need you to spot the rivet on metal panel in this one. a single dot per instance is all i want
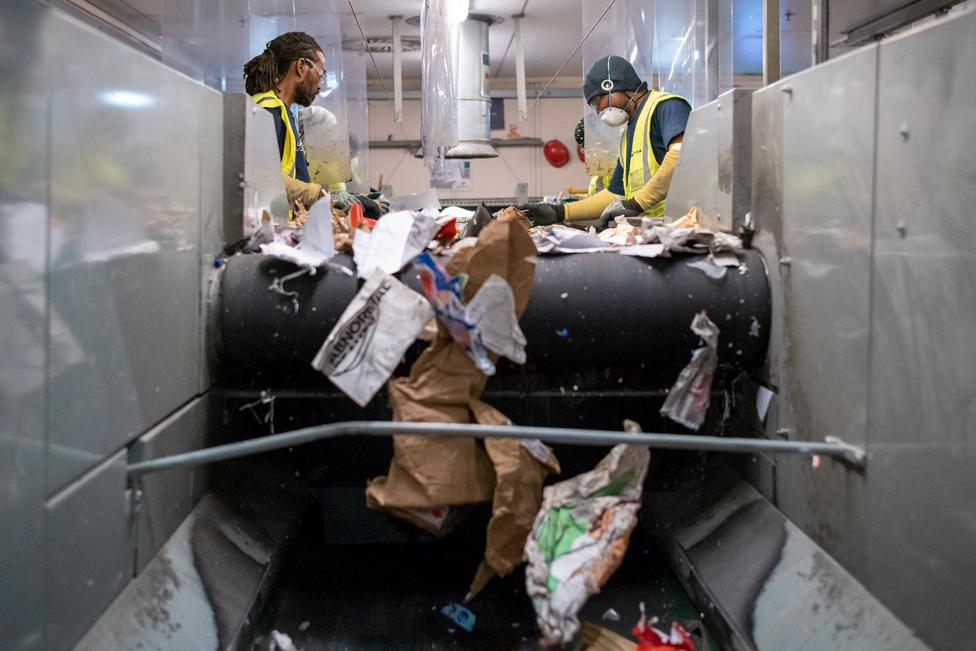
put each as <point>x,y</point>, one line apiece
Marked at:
<point>785,261</point>
<point>902,228</point>
<point>783,432</point>
<point>242,185</point>
<point>903,131</point>
<point>133,501</point>
<point>788,90</point>
<point>718,106</point>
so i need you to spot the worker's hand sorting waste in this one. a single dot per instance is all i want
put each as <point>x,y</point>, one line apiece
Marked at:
<point>619,208</point>
<point>543,214</point>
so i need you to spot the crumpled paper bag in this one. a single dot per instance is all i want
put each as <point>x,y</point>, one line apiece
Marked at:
<point>444,386</point>
<point>580,536</point>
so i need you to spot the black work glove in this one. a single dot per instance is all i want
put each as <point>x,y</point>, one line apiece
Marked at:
<point>619,208</point>
<point>544,214</point>
<point>371,209</point>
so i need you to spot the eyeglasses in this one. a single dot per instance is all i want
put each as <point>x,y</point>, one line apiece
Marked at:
<point>311,64</point>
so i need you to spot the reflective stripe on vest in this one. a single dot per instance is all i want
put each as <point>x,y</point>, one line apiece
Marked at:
<point>270,100</point>
<point>642,165</point>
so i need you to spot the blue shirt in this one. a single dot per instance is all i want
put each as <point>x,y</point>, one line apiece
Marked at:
<point>668,122</point>
<point>301,163</point>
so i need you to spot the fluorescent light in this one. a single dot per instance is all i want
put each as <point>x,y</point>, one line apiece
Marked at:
<point>456,10</point>
<point>127,99</point>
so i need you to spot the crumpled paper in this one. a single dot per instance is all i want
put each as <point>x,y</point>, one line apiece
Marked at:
<point>430,474</point>
<point>688,399</point>
<point>651,239</point>
<point>316,247</point>
<point>580,536</point>
<point>369,339</point>
<point>486,322</point>
<point>397,238</point>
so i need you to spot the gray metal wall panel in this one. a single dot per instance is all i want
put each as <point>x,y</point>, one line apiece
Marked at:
<point>695,180</point>
<point>828,157</point>
<point>168,497</point>
<point>88,550</point>
<point>124,272</point>
<point>712,173</point>
<point>23,310</point>
<point>923,357</point>
<point>212,183</point>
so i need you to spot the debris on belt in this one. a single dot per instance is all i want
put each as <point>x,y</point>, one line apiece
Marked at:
<point>430,474</point>
<point>459,615</point>
<point>580,536</point>
<point>649,237</point>
<point>653,639</point>
<point>688,399</point>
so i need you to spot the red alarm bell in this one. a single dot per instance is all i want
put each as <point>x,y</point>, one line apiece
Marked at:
<point>556,153</point>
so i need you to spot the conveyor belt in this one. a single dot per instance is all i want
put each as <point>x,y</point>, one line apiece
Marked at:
<point>587,311</point>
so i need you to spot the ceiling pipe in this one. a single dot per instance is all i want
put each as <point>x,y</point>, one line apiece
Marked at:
<point>474,96</point>
<point>397,69</point>
<point>520,67</point>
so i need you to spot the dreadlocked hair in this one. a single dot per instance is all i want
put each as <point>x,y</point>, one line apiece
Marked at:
<point>263,72</point>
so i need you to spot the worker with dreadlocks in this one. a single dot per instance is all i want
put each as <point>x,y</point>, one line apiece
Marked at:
<point>289,71</point>
<point>648,153</point>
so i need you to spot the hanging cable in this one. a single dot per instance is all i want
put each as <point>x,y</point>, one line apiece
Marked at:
<point>571,55</point>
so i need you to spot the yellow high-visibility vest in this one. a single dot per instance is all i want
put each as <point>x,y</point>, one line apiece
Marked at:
<point>268,99</point>
<point>641,165</point>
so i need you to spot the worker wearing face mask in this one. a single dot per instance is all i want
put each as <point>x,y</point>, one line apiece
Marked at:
<point>648,152</point>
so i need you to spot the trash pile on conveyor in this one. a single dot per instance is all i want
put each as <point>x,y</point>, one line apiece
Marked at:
<point>476,274</point>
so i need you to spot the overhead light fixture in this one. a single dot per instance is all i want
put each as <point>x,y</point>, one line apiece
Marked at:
<point>127,99</point>
<point>456,10</point>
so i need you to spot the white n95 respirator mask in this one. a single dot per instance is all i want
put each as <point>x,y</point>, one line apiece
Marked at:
<point>613,116</point>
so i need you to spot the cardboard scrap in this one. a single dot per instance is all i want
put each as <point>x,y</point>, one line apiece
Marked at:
<point>375,330</point>
<point>580,535</point>
<point>444,386</point>
<point>688,399</point>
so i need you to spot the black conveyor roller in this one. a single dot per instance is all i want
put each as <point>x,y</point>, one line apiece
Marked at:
<point>591,310</point>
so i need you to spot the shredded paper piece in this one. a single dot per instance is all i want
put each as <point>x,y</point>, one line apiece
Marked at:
<point>687,402</point>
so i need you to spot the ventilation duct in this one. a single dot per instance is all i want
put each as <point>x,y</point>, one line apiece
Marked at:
<point>474,97</point>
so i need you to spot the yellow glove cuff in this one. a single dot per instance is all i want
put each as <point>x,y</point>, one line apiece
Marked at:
<point>656,189</point>
<point>589,208</point>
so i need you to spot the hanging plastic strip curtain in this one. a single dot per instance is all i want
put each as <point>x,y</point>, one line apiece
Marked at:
<point>326,122</point>
<point>626,31</point>
<point>439,63</point>
<point>355,60</point>
<point>682,45</point>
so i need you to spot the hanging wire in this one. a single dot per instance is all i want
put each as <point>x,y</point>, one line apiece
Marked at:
<point>571,55</point>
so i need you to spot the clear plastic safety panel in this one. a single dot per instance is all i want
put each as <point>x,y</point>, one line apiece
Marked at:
<point>439,64</point>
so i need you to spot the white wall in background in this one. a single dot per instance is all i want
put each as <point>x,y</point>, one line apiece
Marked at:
<point>490,177</point>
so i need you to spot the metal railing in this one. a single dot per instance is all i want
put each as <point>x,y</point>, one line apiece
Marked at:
<point>830,447</point>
